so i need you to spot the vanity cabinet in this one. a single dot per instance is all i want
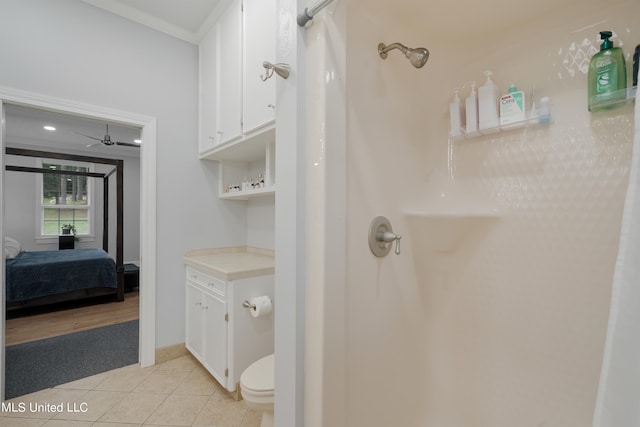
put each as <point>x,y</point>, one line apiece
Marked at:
<point>206,333</point>
<point>220,332</point>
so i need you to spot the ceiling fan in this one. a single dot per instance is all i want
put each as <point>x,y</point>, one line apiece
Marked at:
<point>106,140</point>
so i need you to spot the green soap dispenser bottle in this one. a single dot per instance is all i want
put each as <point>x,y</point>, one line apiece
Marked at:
<point>607,76</point>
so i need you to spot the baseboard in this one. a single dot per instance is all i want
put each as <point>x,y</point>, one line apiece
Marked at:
<point>171,352</point>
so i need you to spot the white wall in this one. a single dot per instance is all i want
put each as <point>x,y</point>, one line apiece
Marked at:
<point>261,222</point>
<point>508,329</point>
<point>71,50</point>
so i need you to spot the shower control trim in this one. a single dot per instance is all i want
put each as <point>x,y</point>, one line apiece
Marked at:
<point>381,237</point>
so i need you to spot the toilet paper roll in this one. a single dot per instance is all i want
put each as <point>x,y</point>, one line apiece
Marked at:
<point>262,306</point>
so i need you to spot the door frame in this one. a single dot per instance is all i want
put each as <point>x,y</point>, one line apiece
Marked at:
<point>147,325</point>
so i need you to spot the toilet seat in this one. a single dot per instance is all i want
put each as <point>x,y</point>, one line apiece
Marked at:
<point>257,381</point>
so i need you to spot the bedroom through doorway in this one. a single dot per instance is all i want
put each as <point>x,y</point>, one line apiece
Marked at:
<point>78,317</point>
<point>62,177</point>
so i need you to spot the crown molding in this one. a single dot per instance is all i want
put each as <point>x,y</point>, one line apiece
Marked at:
<point>145,19</point>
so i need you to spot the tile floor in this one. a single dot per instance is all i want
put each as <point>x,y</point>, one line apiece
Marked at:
<point>174,393</point>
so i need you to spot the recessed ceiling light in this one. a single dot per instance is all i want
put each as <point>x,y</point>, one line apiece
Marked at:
<point>50,128</point>
<point>137,141</point>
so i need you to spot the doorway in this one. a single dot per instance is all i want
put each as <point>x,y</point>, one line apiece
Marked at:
<point>147,201</point>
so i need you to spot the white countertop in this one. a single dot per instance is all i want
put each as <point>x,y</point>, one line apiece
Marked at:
<point>232,263</point>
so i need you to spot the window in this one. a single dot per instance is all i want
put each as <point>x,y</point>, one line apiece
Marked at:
<point>65,199</point>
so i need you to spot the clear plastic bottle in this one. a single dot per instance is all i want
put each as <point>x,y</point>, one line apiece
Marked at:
<point>455,114</point>
<point>488,95</point>
<point>544,112</point>
<point>471,110</point>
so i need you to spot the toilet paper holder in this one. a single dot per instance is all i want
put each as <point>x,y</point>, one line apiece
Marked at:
<point>247,304</point>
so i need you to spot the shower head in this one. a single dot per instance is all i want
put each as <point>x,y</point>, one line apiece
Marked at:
<point>418,56</point>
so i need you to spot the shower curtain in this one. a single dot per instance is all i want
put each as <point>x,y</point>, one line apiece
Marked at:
<point>618,402</point>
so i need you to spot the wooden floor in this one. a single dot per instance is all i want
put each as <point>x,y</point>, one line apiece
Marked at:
<point>47,325</point>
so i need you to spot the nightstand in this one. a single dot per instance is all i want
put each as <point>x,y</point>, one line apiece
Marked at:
<point>66,241</point>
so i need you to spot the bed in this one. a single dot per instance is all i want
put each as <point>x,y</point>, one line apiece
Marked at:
<point>45,277</point>
<point>49,276</point>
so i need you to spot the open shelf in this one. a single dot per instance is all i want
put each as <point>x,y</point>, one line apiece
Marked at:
<point>535,120</point>
<point>246,158</point>
<point>616,99</point>
<point>450,211</point>
<point>247,194</point>
<point>245,149</point>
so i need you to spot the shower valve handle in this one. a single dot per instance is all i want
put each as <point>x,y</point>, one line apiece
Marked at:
<point>388,237</point>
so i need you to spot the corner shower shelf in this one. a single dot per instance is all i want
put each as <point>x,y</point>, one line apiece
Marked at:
<point>444,230</point>
<point>617,99</point>
<point>537,120</point>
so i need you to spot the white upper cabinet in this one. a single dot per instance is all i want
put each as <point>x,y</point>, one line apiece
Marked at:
<point>236,105</point>
<point>259,44</point>
<point>207,119</point>
<point>229,73</point>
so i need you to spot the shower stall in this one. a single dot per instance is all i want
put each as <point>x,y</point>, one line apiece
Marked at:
<point>495,312</point>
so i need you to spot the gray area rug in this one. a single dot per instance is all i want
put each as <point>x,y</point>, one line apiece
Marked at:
<point>50,362</point>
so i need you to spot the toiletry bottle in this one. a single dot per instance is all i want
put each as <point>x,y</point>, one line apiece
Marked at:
<point>636,65</point>
<point>512,106</point>
<point>488,95</point>
<point>544,112</point>
<point>607,75</point>
<point>455,115</point>
<point>471,110</point>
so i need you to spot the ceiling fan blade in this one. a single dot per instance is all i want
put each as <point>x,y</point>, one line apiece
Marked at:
<point>128,144</point>
<point>93,145</point>
<point>88,136</point>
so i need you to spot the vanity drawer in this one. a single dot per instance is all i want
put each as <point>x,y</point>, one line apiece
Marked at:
<point>208,282</point>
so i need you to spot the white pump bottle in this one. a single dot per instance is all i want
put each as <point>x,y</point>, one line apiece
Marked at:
<point>471,110</point>
<point>488,95</point>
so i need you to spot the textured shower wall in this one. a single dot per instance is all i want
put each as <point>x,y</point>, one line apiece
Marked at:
<point>507,329</point>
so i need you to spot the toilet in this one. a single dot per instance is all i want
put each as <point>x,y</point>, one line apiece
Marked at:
<point>256,386</point>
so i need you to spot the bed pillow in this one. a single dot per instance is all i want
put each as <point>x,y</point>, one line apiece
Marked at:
<point>11,247</point>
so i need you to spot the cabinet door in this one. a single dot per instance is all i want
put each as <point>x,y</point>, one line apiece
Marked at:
<point>229,73</point>
<point>193,333</point>
<point>207,54</point>
<point>259,44</point>
<point>215,329</point>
